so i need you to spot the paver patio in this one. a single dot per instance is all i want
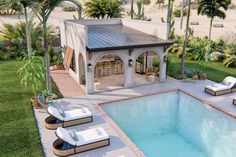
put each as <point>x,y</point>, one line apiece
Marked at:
<point>119,145</point>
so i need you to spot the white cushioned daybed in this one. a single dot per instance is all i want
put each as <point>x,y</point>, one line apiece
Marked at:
<point>228,85</point>
<point>60,118</point>
<point>70,141</point>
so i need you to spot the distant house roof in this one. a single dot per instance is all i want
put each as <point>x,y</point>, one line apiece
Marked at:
<point>114,37</point>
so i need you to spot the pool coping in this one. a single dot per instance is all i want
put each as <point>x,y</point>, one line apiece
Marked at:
<point>126,139</point>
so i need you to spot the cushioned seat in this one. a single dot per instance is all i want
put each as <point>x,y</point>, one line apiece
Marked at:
<point>60,118</point>
<point>228,85</point>
<point>79,141</point>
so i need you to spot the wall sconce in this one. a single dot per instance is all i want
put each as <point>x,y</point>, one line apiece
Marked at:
<point>165,59</point>
<point>130,63</point>
<point>90,67</point>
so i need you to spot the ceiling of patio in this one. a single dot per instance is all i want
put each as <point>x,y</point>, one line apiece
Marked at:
<point>114,37</point>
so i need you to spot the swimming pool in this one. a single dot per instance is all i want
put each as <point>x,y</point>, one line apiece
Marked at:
<point>175,125</point>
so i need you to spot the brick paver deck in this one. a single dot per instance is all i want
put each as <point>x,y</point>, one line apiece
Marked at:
<point>66,85</point>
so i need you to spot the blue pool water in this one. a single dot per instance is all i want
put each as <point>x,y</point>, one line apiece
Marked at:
<point>175,125</point>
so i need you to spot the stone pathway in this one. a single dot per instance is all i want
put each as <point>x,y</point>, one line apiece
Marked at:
<point>66,84</point>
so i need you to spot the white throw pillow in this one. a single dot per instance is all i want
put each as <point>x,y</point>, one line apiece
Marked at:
<point>62,113</point>
<point>73,135</point>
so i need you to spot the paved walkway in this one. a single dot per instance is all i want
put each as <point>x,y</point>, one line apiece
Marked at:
<point>66,84</point>
<point>121,146</point>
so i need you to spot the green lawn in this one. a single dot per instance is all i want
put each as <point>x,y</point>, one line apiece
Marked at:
<point>18,131</point>
<point>216,71</point>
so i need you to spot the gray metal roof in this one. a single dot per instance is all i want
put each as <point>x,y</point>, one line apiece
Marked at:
<point>114,37</point>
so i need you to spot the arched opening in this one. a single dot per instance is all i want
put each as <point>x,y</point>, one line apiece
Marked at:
<point>109,73</point>
<point>146,68</point>
<point>82,78</point>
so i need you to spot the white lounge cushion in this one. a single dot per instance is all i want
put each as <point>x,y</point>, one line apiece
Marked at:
<point>64,135</point>
<point>228,83</point>
<point>77,114</point>
<point>84,137</point>
<point>217,87</point>
<point>55,113</point>
<point>70,114</point>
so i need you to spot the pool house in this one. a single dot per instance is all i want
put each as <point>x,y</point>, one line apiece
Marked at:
<point>111,54</point>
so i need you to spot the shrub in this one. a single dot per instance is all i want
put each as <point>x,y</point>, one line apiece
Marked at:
<point>146,2</point>
<point>177,12</point>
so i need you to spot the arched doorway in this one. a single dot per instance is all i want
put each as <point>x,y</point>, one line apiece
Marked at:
<point>108,73</point>
<point>82,78</point>
<point>146,68</point>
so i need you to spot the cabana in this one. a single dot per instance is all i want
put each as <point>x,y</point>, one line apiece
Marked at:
<point>114,53</point>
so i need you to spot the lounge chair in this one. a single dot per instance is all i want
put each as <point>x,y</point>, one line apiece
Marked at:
<point>228,85</point>
<point>70,142</point>
<point>60,118</point>
<point>152,71</point>
<point>234,101</point>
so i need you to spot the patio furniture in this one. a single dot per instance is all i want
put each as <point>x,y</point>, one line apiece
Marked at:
<point>151,78</point>
<point>108,68</point>
<point>60,118</point>
<point>71,142</point>
<point>99,69</point>
<point>228,85</point>
<point>152,71</point>
<point>234,101</point>
<point>97,85</point>
<point>118,67</point>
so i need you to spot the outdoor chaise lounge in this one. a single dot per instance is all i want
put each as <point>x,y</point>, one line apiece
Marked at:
<point>234,101</point>
<point>60,118</point>
<point>70,142</point>
<point>228,85</point>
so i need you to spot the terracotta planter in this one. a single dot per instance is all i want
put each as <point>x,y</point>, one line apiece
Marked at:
<point>59,67</point>
<point>195,77</point>
<point>202,76</point>
<point>35,102</point>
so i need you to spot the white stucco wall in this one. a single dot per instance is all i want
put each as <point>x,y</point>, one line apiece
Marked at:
<point>74,35</point>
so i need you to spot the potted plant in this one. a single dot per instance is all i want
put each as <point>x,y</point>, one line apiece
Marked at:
<point>32,74</point>
<point>195,75</point>
<point>202,76</point>
<point>58,61</point>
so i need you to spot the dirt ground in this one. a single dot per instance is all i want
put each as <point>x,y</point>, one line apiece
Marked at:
<point>152,11</point>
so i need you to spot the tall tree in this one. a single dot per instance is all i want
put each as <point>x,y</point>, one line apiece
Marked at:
<point>43,9</point>
<point>182,14</point>
<point>169,15</point>
<point>212,9</point>
<point>132,9</point>
<point>185,39</point>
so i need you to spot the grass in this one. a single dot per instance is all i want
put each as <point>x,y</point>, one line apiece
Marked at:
<point>215,71</point>
<point>18,132</point>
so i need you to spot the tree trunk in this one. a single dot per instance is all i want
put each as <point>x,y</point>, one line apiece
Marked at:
<point>168,20</point>
<point>185,39</point>
<point>28,40</point>
<point>132,9</point>
<point>47,61</point>
<point>182,15</point>
<point>210,29</point>
<point>209,44</point>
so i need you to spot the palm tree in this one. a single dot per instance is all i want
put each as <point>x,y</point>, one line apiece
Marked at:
<point>132,9</point>
<point>182,14</point>
<point>10,6</point>
<point>43,9</point>
<point>103,9</point>
<point>212,9</point>
<point>169,15</point>
<point>15,4</point>
<point>185,39</point>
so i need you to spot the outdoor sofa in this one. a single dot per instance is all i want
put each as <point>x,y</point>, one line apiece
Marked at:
<point>228,85</point>
<point>60,118</point>
<point>234,101</point>
<point>70,142</point>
